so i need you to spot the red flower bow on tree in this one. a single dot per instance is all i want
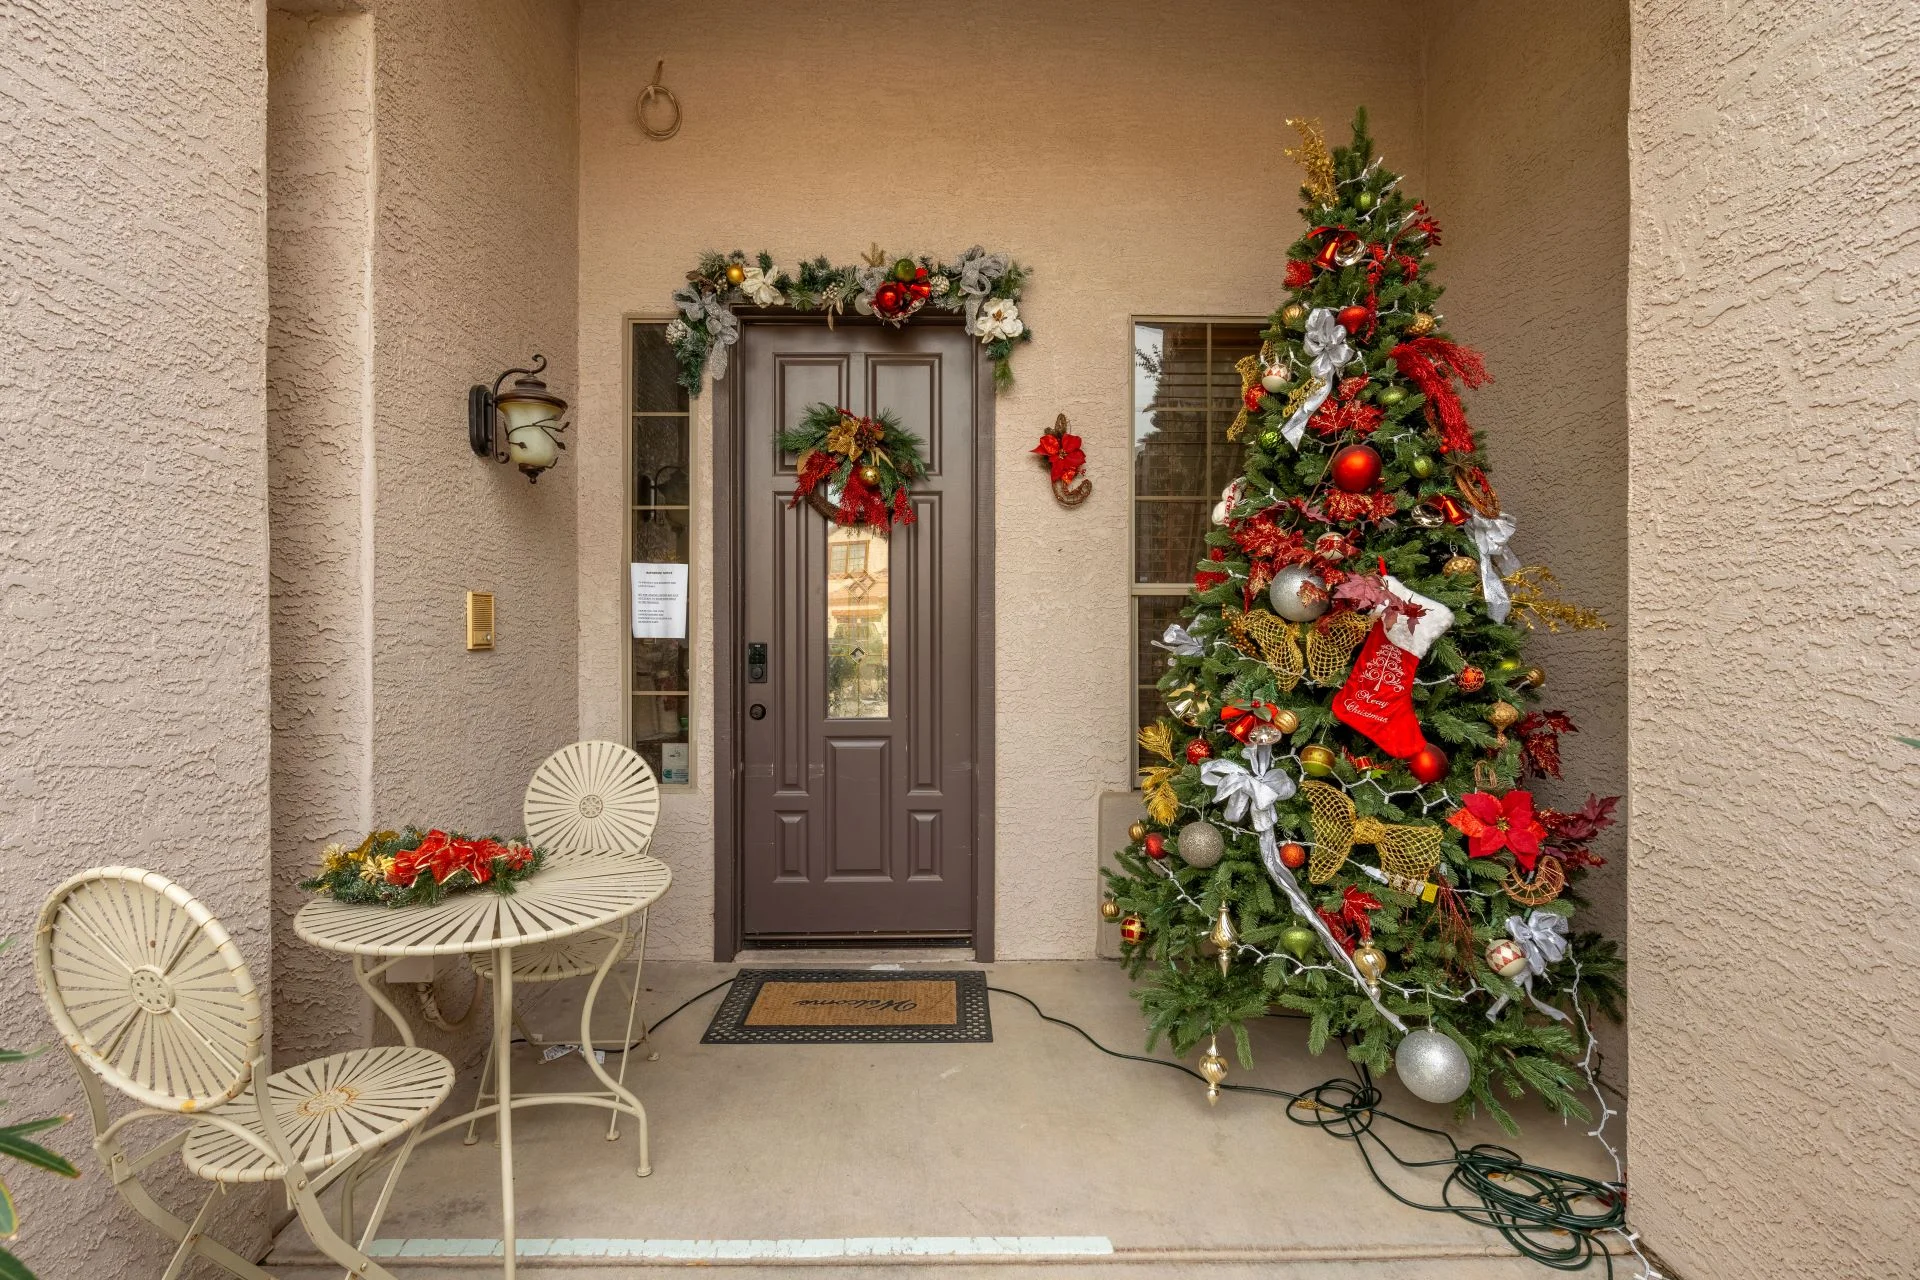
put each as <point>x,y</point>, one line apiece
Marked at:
<point>1349,923</point>
<point>1492,823</point>
<point>1064,455</point>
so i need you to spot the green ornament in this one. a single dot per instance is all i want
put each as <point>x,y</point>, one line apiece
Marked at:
<point>903,269</point>
<point>1270,439</point>
<point>1299,941</point>
<point>1507,664</point>
<point>1391,396</point>
<point>1363,201</point>
<point>1423,467</point>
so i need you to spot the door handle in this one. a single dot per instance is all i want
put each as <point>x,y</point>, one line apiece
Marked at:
<point>756,662</point>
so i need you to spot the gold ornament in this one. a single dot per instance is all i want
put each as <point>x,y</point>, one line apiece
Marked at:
<point>1529,588</point>
<point>1312,156</point>
<point>1407,851</point>
<point>1248,367</point>
<point>1532,678</point>
<point>1134,930</point>
<point>1213,1068</point>
<point>1137,832</point>
<point>1459,566</point>
<point>1223,937</point>
<point>1316,761</point>
<point>1421,325</point>
<point>1293,315</point>
<point>1549,878</point>
<point>735,273</point>
<point>870,475</point>
<point>1109,909</point>
<point>1285,721</point>
<point>1371,962</point>
<point>1503,716</point>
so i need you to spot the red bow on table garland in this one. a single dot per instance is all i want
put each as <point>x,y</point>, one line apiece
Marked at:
<point>1064,458</point>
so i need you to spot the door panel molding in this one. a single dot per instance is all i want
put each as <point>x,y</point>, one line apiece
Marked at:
<point>916,842</point>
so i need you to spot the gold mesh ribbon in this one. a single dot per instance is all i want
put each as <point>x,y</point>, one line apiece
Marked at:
<point>1249,369</point>
<point>1409,852</point>
<point>1264,636</point>
<point>1330,646</point>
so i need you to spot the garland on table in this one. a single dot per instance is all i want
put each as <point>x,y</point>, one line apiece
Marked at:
<point>854,470</point>
<point>414,867</point>
<point>986,286</point>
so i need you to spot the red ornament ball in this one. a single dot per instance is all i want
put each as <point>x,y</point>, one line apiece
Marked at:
<point>1471,679</point>
<point>1293,856</point>
<point>1156,844</point>
<point>1198,750</point>
<point>1133,929</point>
<point>1356,468</point>
<point>1353,319</point>
<point>1429,764</point>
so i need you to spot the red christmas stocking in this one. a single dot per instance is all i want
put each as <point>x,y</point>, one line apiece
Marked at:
<point>1377,699</point>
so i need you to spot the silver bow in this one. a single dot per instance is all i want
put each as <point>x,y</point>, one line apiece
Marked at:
<point>1326,344</point>
<point>978,270</point>
<point>1543,937</point>
<point>1250,789</point>
<point>1177,639</point>
<point>1491,537</point>
<point>711,312</point>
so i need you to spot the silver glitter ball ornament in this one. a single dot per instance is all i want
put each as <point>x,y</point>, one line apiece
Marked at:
<point>1432,1066</point>
<point>1201,844</point>
<point>1298,594</point>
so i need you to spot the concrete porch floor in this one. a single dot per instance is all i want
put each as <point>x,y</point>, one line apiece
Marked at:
<point>1034,1135</point>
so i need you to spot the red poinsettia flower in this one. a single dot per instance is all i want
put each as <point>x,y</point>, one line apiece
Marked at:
<point>1064,455</point>
<point>1492,823</point>
<point>1206,579</point>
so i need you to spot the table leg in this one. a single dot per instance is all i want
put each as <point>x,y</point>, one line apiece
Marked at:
<point>503,1091</point>
<point>616,1090</point>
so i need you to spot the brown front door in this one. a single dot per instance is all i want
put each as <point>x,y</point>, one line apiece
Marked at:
<point>856,739</point>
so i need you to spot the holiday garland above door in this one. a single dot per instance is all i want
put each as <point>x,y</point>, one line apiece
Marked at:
<point>985,286</point>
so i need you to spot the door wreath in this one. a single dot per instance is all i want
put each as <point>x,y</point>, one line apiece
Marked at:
<point>855,471</point>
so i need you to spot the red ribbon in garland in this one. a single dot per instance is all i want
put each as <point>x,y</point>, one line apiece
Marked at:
<point>1241,721</point>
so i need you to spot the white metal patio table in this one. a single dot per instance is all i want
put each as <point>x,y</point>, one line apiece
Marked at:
<point>571,895</point>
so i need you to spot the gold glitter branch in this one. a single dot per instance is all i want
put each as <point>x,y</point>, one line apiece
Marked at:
<point>1158,740</point>
<point>1312,155</point>
<point>1530,588</point>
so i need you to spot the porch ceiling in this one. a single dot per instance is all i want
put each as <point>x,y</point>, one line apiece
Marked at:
<point>1034,1135</point>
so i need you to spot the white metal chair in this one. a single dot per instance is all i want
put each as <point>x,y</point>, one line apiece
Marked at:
<point>585,799</point>
<point>152,997</point>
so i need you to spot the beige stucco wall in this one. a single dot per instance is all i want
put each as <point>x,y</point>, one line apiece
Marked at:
<point>473,260</point>
<point>133,594</point>
<point>1772,652</point>
<point>1526,141</point>
<point>1133,162</point>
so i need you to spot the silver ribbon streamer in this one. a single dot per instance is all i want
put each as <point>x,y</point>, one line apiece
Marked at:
<point>1270,855</point>
<point>1326,346</point>
<point>1543,937</point>
<point>1177,639</point>
<point>1491,537</point>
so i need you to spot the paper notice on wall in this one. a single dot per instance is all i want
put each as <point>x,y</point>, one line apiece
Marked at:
<point>659,601</point>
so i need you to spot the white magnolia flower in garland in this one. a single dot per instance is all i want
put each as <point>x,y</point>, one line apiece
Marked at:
<point>758,286</point>
<point>676,330</point>
<point>999,319</point>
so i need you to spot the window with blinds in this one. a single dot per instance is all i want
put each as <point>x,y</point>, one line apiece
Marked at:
<point>1185,395</point>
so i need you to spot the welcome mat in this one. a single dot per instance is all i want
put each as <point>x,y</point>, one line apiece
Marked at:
<point>852,1006</point>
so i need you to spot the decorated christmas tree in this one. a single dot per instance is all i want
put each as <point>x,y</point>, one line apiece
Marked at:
<point>1340,820</point>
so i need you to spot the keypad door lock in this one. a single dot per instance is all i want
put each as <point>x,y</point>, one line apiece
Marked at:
<point>756,663</point>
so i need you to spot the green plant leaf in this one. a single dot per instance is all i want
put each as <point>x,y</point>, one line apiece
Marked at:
<point>13,1144</point>
<point>11,1268</point>
<point>9,1216</point>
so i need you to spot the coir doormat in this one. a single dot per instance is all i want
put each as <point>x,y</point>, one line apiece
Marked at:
<point>852,1006</point>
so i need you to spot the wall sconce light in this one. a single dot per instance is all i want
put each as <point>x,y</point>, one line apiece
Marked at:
<point>530,437</point>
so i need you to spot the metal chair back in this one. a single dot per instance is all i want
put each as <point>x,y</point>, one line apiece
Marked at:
<point>147,989</point>
<point>592,797</point>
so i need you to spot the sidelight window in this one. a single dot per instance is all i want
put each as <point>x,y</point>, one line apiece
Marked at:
<point>660,497</point>
<point>1186,393</point>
